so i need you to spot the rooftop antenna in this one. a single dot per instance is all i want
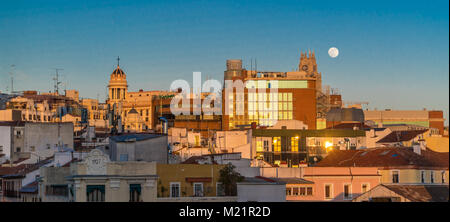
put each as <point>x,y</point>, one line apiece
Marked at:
<point>11,73</point>
<point>57,82</point>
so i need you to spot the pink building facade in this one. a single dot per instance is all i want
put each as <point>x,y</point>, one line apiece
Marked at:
<point>331,183</point>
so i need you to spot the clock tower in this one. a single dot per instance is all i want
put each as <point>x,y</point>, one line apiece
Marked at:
<point>308,64</point>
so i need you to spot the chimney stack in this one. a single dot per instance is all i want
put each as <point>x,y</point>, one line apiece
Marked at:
<point>417,149</point>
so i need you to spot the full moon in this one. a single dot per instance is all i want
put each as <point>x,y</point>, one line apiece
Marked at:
<point>333,52</point>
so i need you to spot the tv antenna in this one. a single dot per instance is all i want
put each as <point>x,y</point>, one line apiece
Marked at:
<point>11,73</point>
<point>56,80</point>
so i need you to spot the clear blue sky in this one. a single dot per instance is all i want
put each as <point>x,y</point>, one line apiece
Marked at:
<point>393,54</point>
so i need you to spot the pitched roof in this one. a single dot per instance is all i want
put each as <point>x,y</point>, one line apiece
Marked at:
<point>16,161</point>
<point>22,169</point>
<point>421,193</point>
<point>401,136</point>
<point>391,157</point>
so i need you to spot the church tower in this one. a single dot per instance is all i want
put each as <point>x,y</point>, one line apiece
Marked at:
<point>308,63</point>
<point>118,86</point>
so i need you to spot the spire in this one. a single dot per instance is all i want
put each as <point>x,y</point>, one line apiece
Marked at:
<point>313,55</point>
<point>118,61</point>
<point>309,53</point>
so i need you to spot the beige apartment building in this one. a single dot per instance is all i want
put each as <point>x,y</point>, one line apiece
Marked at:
<point>97,179</point>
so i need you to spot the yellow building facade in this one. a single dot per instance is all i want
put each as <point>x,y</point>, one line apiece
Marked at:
<point>189,180</point>
<point>414,176</point>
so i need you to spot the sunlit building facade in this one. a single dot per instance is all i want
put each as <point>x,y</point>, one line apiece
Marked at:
<point>271,96</point>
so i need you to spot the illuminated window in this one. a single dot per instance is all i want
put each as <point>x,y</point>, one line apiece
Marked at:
<point>273,96</point>
<point>276,144</point>
<point>259,147</point>
<point>289,115</point>
<point>294,144</point>
<point>289,96</point>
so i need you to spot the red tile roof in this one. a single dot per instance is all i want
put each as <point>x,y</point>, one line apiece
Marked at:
<point>22,169</point>
<point>401,136</point>
<point>16,161</point>
<point>391,157</point>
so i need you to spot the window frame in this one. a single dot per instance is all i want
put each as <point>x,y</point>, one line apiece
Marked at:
<point>368,187</point>
<point>139,193</point>
<point>325,191</point>
<point>203,191</point>
<point>312,191</point>
<point>179,189</point>
<point>398,176</point>
<point>217,190</point>
<point>350,193</point>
